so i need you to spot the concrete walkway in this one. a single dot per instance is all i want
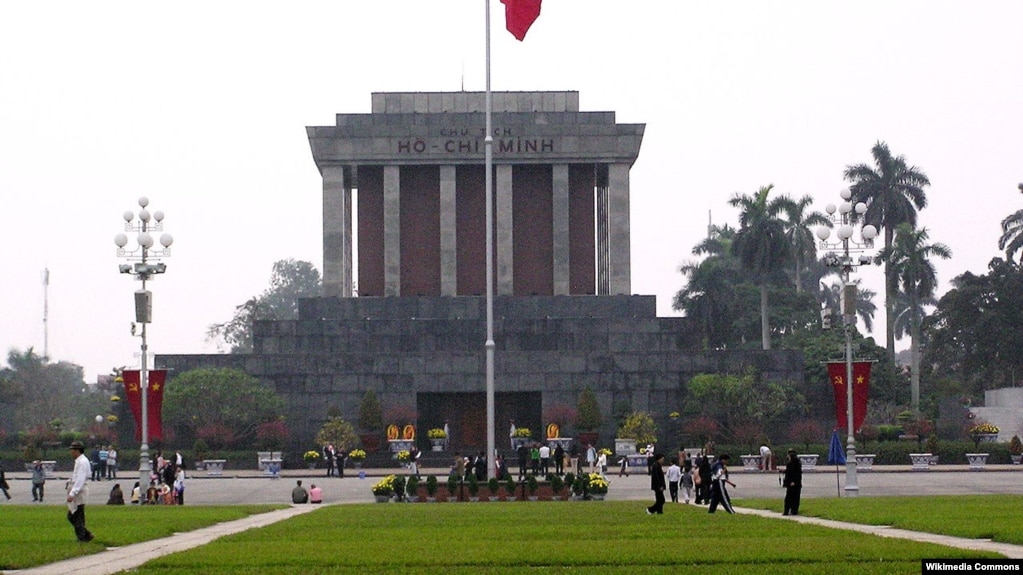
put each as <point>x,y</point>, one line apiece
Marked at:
<point>118,559</point>
<point>242,487</point>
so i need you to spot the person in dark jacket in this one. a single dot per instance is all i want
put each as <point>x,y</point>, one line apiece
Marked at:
<point>703,489</point>
<point>657,485</point>
<point>793,483</point>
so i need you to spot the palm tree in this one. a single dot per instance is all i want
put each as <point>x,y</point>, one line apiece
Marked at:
<point>708,296</point>
<point>893,193</point>
<point>761,245</point>
<point>831,299</point>
<point>801,237</point>
<point>1012,233</point>
<point>910,257</point>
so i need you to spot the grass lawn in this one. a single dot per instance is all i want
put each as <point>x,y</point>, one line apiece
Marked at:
<point>607,537</point>
<point>995,517</point>
<point>34,535</point>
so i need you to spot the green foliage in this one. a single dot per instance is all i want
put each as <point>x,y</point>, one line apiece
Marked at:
<point>493,484</point>
<point>1015,445</point>
<point>233,400</point>
<point>557,484</point>
<point>974,333</point>
<point>35,391</point>
<point>399,485</point>
<point>431,485</point>
<point>371,417</point>
<point>34,538</point>
<point>474,485</point>
<point>510,485</point>
<point>589,415</point>
<point>289,281</point>
<point>744,401</point>
<point>639,425</point>
<point>532,484</point>
<point>339,433</point>
<point>412,486</point>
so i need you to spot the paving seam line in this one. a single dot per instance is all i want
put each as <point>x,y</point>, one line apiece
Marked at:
<point>132,556</point>
<point>1009,550</point>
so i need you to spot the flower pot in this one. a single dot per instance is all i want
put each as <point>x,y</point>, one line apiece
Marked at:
<point>750,462</point>
<point>382,498</point>
<point>312,465</point>
<point>437,444</point>
<point>921,461</point>
<point>597,496</point>
<point>809,461</point>
<point>865,462</point>
<point>1016,458</point>
<point>978,461</point>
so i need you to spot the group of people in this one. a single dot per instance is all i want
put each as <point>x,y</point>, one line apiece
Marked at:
<point>335,460</point>
<point>696,479</point>
<point>711,482</point>
<point>300,495</point>
<point>104,462</point>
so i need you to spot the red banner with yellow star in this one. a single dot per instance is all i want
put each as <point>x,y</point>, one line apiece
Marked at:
<point>861,387</point>
<point>154,401</point>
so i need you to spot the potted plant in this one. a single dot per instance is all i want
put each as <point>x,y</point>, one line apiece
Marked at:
<point>474,487</point>
<point>932,448</point>
<point>371,421</point>
<point>437,437</point>
<point>588,418</point>
<point>412,488</point>
<point>509,488</point>
<point>399,486</point>
<point>384,489</point>
<point>1016,449</point>
<point>493,484</point>
<point>431,488</point>
<point>638,426</point>
<point>532,485</point>
<point>596,486</point>
<point>453,487</point>
<point>557,486</point>
<point>311,457</point>
<point>357,456</point>
<point>983,432</point>
<point>570,482</point>
<point>522,436</point>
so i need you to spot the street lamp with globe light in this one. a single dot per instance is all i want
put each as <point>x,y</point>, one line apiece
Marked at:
<point>146,265</point>
<point>845,219</point>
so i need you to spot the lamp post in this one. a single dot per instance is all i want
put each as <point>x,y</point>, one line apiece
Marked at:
<point>846,217</point>
<point>143,269</point>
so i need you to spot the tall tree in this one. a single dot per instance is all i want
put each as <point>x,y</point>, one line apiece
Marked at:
<point>37,391</point>
<point>229,398</point>
<point>801,237</point>
<point>708,297</point>
<point>974,332</point>
<point>289,281</point>
<point>1012,234</point>
<point>910,257</point>
<point>831,299</point>
<point>761,245</point>
<point>893,192</point>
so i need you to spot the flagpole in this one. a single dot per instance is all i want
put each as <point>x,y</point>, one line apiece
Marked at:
<point>488,143</point>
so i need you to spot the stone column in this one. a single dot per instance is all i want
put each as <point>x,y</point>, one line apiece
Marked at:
<point>337,232</point>
<point>560,229</point>
<point>620,256</point>
<point>448,237</point>
<point>603,231</point>
<point>504,234</point>
<point>392,231</point>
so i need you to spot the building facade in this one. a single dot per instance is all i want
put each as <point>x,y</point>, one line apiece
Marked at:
<point>404,258</point>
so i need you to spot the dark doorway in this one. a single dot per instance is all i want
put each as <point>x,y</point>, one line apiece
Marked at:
<point>466,414</point>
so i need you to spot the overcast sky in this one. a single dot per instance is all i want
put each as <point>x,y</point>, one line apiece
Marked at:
<point>202,107</point>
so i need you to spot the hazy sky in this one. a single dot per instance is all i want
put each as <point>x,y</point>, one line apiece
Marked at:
<point>202,107</point>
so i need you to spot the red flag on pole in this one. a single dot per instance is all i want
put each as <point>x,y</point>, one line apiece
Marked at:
<point>154,400</point>
<point>861,387</point>
<point>133,393</point>
<point>519,15</point>
<point>157,379</point>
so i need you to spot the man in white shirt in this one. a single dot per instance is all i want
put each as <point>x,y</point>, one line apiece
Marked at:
<point>765,458</point>
<point>77,491</point>
<point>545,459</point>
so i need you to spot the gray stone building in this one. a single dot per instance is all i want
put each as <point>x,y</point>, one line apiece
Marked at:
<point>411,174</point>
